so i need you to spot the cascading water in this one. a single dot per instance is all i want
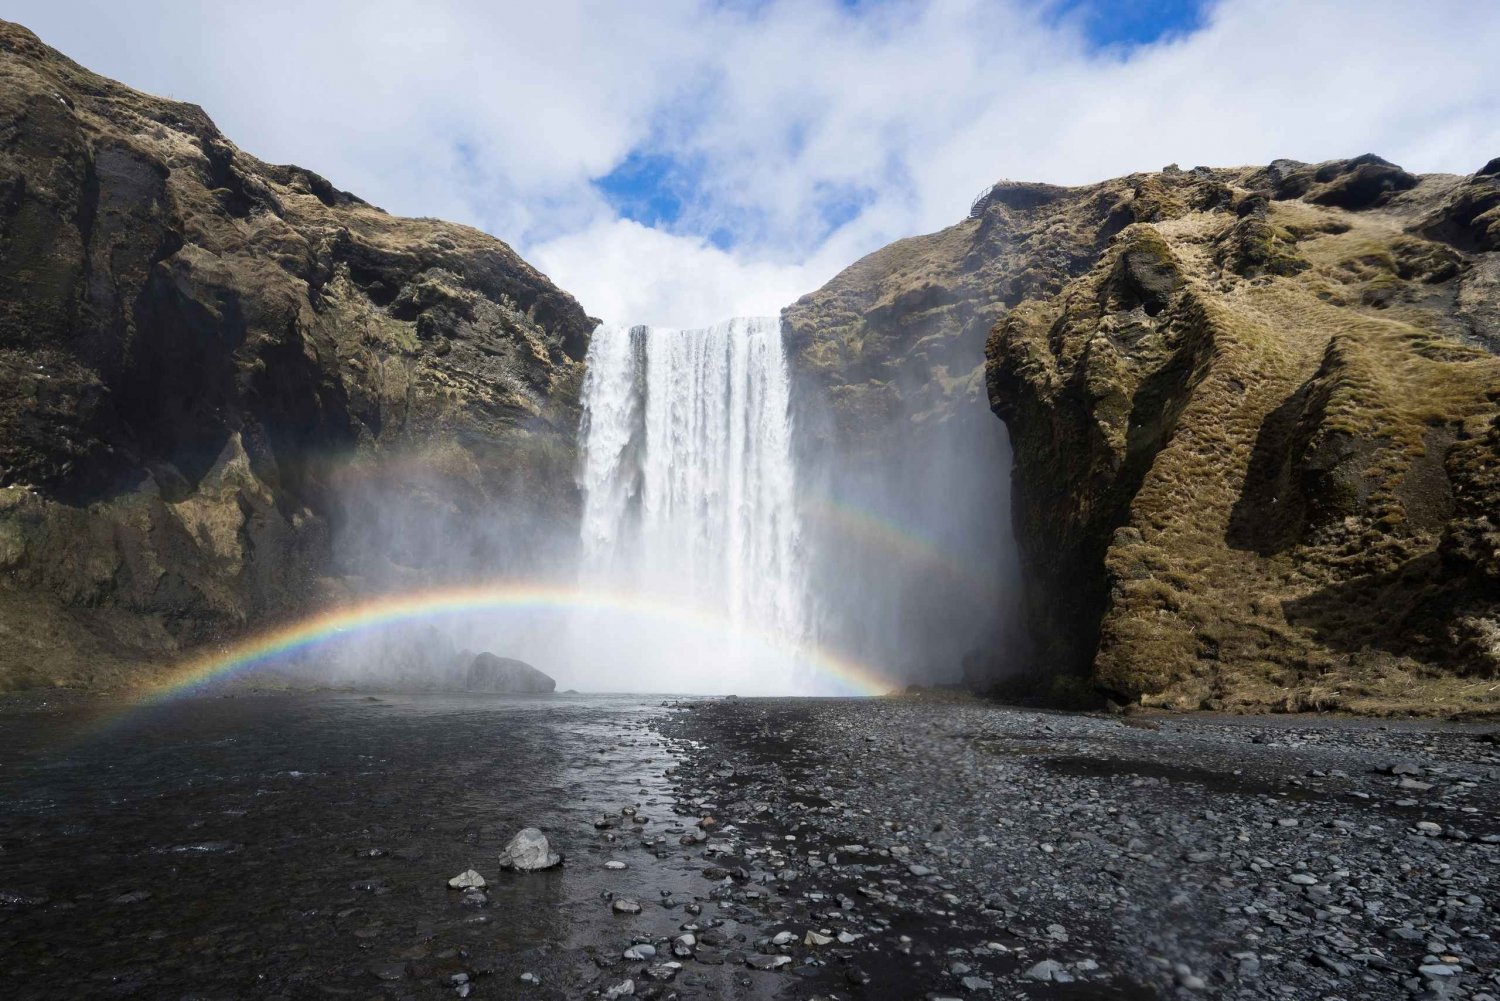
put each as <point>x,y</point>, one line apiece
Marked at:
<point>690,499</point>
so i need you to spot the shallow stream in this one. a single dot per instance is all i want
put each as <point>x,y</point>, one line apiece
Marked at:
<point>300,845</point>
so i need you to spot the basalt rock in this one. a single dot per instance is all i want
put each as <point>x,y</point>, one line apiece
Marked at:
<point>207,361</point>
<point>1253,413</point>
<point>488,673</point>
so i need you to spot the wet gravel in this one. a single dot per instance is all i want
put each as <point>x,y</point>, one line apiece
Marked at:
<point>912,848</point>
<point>302,846</point>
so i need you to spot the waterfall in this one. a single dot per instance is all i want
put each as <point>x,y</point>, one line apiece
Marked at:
<point>690,494</point>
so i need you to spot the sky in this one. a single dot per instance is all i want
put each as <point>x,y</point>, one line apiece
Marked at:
<point>679,161</point>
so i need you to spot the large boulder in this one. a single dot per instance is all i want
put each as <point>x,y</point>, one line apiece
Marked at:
<point>488,673</point>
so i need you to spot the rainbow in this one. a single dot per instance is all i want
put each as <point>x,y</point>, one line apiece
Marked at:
<point>873,531</point>
<point>304,634</point>
<point>860,525</point>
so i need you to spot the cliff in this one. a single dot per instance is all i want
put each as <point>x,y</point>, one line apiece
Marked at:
<point>1255,415</point>
<point>206,361</point>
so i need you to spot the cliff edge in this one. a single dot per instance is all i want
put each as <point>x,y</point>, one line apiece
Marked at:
<point>1255,415</point>
<point>201,352</point>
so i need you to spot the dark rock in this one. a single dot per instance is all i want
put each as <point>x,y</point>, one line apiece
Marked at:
<point>186,323</point>
<point>1362,182</point>
<point>489,673</point>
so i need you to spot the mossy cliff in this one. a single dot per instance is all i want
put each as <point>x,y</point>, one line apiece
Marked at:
<point>1254,417</point>
<point>199,351</point>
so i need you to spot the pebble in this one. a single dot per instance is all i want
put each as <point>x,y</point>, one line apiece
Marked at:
<point>760,962</point>
<point>1047,969</point>
<point>1439,970</point>
<point>466,880</point>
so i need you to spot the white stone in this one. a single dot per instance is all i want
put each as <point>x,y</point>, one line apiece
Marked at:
<point>467,880</point>
<point>1047,969</point>
<point>529,851</point>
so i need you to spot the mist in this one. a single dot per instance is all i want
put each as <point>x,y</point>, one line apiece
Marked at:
<point>711,534</point>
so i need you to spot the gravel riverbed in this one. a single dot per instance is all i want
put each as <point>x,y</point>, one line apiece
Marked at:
<point>932,847</point>
<point>340,845</point>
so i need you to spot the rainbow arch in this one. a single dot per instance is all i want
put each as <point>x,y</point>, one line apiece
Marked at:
<point>850,676</point>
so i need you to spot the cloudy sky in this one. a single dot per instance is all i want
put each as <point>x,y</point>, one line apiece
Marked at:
<point>677,162</point>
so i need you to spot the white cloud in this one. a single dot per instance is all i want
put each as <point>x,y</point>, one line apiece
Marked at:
<point>628,273</point>
<point>501,114</point>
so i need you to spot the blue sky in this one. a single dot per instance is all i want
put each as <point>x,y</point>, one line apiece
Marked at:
<point>1131,23</point>
<point>678,161</point>
<point>655,188</point>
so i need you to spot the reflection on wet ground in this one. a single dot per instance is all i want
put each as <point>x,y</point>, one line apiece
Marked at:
<point>299,846</point>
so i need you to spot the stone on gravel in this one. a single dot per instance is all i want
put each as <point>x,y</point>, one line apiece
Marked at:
<point>467,880</point>
<point>1047,969</point>
<point>529,851</point>
<point>768,962</point>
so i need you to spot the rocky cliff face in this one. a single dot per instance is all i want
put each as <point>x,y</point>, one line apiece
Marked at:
<point>1254,416</point>
<point>206,360</point>
<point>888,365</point>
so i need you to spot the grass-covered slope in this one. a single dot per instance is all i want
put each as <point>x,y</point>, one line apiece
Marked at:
<point>1253,412</point>
<point>1256,443</point>
<point>206,359</point>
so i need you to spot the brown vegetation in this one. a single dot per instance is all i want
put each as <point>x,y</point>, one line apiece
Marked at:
<point>1253,413</point>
